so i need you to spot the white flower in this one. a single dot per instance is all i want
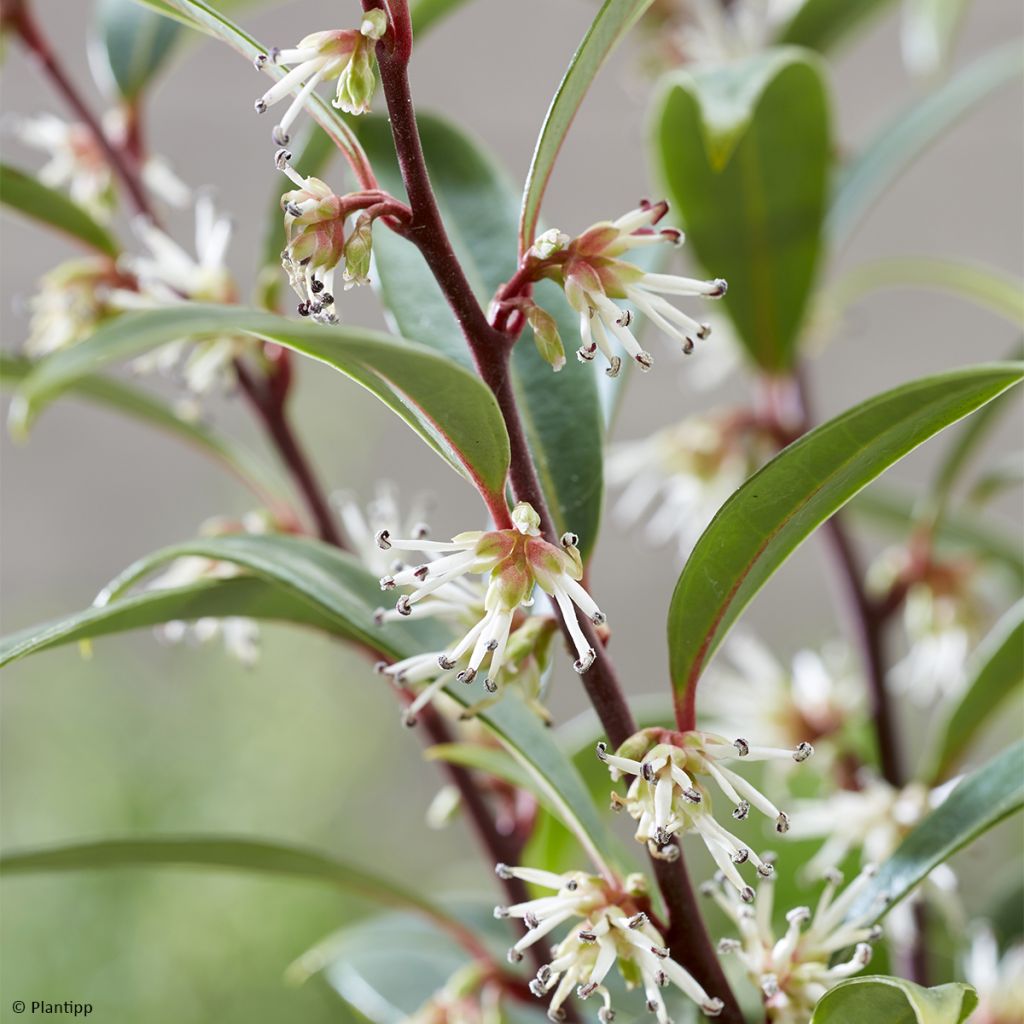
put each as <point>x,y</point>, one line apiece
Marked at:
<point>345,54</point>
<point>794,970</point>
<point>515,561</point>
<point>589,270</point>
<point>667,796</point>
<point>677,479</point>
<point>607,928</point>
<point>999,980</point>
<point>167,276</point>
<point>816,698</point>
<point>715,33</point>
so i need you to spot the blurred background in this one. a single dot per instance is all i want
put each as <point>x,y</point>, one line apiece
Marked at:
<point>144,738</point>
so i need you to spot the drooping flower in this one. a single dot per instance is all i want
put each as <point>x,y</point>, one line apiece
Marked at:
<point>515,561</point>
<point>668,797</point>
<point>344,54</point>
<point>608,929</point>
<point>794,970</point>
<point>589,270</point>
<point>168,275</point>
<point>999,980</point>
<point>677,479</point>
<point>816,698</point>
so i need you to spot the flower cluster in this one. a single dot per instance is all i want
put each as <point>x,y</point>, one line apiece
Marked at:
<point>589,270</point>
<point>344,54</point>
<point>794,970</point>
<point>668,797</point>
<point>608,929</point>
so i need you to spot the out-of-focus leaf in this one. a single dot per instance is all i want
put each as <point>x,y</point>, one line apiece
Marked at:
<point>895,1001</point>
<point>996,672</point>
<point>910,133</point>
<point>561,412</point>
<point>27,196</point>
<point>215,23</point>
<point>612,22</point>
<point>109,393</point>
<point>491,760</point>
<point>133,45</point>
<point>757,529</point>
<point>823,24</point>
<point>898,512</point>
<point>1008,472</point>
<point>927,33</point>
<point>450,408</point>
<point>981,800</point>
<point>235,855</point>
<point>745,151</point>
<point>426,14</point>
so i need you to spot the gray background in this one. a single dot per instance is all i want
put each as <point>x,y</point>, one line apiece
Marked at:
<point>143,738</point>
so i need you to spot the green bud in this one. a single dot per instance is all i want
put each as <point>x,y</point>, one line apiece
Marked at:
<point>358,250</point>
<point>546,336</point>
<point>357,83</point>
<point>525,519</point>
<point>375,24</point>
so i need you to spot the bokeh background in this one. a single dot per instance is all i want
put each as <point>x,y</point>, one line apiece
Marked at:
<point>307,746</point>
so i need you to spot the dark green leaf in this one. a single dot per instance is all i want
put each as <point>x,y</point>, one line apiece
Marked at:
<point>744,150</point>
<point>31,199</point>
<point>612,22</point>
<point>884,998</point>
<point>447,406</point>
<point>134,44</point>
<point>145,408</point>
<point>982,799</point>
<point>822,24</point>
<point>561,411</point>
<point>995,673</point>
<point>910,133</point>
<point>757,529</point>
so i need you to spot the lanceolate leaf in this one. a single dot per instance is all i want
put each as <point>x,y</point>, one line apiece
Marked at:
<point>911,133</point>
<point>613,21</point>
<point>447,406</point>
<point>981,800</point>
<point>894,1000</point>
<point>775,510</point>
<point>235,855</point>
<point>109,393</point>
<point>215,23</point>
<point>561,411</point>
<point>996,673</point>
<point>745,152</point>
<point>134,44</point>
<point>28,197</point>
<point>822,24</point>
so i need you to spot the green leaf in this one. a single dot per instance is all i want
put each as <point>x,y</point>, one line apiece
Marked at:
<point>928,32</point>
<point>981,800</point>
<point>612,22</point>
<point>1007,473</point>
<point>995,673</point>
<point>744,151</point>
<point>561,412</point>
<point>910,133</point>
<point>28,197</point>
<point>451,409</point>
<point>109,393</point>
<point>758,528</point>
<point>823,24</point>
<point>134,44</point>
<point>234,855</point>
<point>215,23</point>
<point>426,14</point>
<point>894,1001</point>
<point>499,763</point>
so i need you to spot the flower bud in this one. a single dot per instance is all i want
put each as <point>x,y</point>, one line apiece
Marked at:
<point>545,334</point>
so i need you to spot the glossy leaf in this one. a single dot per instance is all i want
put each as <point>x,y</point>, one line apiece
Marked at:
<point>108,393</point>
<point>231,854</point>
<point>215,23</point>
<point>927,33</point>
<point>981,800</point>
<point>894,1001</point>
<point>447,406</point>
<point>995,673</point>
<point>28,197</point>
<point>561,412</point>
<point>823,24</point>
<point>133,44</point>
<point>758,528</point>
<point>745,151</point>
<point>910,133</point>
<point>612,22</point>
